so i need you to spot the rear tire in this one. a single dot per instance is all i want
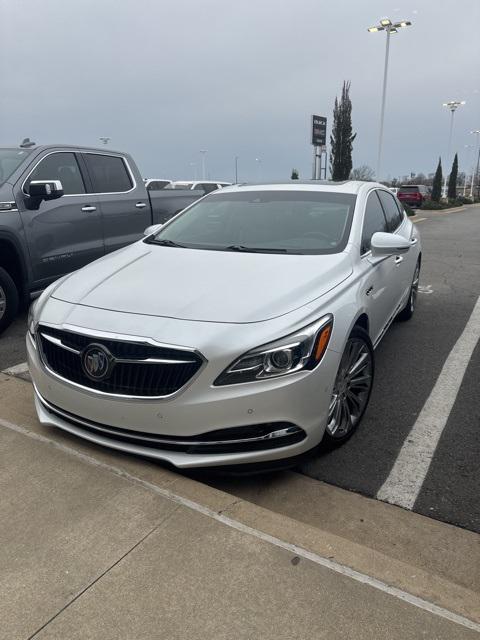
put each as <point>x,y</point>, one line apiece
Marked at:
<point>9,300</point>
<point>352,389</point>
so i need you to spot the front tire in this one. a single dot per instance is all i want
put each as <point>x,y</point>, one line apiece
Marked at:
<point>351,390</point>
<point>8,300</point>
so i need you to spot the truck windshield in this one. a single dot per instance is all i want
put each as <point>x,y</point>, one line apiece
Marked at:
<point>306,222</point>
<point>10,159</point>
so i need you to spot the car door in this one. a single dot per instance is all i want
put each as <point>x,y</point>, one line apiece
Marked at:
<point>64,234</point>
<point>379,290</point>
<point>405,263</point>
<point>124,203</point>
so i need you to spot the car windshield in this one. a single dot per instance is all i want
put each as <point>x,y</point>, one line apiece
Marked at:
<point>10,159</point>
<point>306,222</point>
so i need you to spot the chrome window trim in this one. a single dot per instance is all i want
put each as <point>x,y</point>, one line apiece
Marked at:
<point>87,193</point>
<point>121,338</point>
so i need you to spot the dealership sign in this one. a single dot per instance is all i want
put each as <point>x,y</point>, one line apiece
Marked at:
<point>319,131</point>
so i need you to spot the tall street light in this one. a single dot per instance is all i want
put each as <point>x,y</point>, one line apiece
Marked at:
<point>236,169</point>
<point>468,148</point>
<point>204,153</point>
<point>476,132</point>
<point>259,168</point>
<point>389,27</point>
<point>452,105</point>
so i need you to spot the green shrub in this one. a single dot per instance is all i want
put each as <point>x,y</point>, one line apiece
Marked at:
<point>408,210</point>
<point>431,205</point>
<point>463,200</point>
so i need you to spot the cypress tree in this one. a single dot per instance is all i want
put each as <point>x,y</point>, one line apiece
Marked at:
<point>294,175</point>
<point>437,183</point>
<point>341,139</point>
<point>452,180</point>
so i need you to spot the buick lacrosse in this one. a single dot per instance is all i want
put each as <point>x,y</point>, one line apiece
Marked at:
<point>241,331</point>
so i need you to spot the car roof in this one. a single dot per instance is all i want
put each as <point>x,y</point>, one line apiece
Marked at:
<point>345,186</point>
<point>68,147</point>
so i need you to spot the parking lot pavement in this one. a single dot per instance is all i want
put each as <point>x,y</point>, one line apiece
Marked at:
<point>97,544</point>
<point>409,362</point>
<point>409,386</point>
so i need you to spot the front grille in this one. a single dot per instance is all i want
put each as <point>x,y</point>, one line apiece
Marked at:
<point>258,437</point>
<point>129,374</point>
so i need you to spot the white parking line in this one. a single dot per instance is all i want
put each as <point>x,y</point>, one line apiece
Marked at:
<point>323,561</point>
<point>17,369</point>
<point>411,466</point>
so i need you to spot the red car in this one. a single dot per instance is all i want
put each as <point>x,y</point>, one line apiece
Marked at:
<point>413,194</point>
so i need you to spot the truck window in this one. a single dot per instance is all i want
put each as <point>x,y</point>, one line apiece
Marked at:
<point>59,166</point>
<point>108,173</point>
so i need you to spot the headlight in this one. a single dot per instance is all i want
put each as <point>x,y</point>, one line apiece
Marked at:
<point>298,351</point>
<point>32,319</point>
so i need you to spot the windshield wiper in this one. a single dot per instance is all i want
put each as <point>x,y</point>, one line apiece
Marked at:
<point>164,243</point>
<point>241,247</point>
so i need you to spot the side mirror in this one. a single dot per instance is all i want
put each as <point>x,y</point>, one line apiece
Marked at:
<point>154,228</point>
<point>388,244</point>
<point>45,189</point>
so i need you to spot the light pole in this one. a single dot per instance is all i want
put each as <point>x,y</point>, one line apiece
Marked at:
<point>475,170</point>
<point>259,168</point>
<point>204,153</point>
<point>389,27</point>
<point>105,139</point>
<point>469,148</point>
<point>236,169</point>
<point>452,105</point>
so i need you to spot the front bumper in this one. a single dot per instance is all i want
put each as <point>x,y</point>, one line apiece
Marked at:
<point>300,400</point>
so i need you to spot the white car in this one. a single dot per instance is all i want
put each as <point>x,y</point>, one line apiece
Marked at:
<point>156,184</point>
<point>207,186</point>
<point>242,331</point>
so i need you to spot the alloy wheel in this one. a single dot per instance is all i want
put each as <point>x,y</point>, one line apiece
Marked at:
<point>414,288</point>
<point>351,390</point>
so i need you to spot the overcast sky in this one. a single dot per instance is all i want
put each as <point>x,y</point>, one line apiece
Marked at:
<point>166,78</point>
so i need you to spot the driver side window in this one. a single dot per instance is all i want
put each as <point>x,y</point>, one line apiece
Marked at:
<point>59,166</point>
<point>373,221</point>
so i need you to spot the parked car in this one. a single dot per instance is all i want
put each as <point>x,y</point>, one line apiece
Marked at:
<point>207,186</point>
<point>257,343</point>
<point>413,194</point>
<point>62,207</point>
<point>156,184</point>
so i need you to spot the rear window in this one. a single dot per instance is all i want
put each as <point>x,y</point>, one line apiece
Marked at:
<point>109,174</point>
<point>409,189</point>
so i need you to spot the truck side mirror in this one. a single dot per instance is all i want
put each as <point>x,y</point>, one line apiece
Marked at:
<point>45,189</point>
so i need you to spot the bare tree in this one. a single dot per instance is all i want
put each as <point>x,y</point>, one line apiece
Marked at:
<point>363,172</point>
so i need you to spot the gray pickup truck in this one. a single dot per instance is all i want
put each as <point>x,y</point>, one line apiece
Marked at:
<point>64,206</point>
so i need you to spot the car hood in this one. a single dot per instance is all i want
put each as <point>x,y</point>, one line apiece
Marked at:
<point>210,286</point>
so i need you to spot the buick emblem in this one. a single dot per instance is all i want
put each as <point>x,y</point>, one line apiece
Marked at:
<point>97,362</point>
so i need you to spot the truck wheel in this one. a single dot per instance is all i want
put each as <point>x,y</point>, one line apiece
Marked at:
<point>8,299</point>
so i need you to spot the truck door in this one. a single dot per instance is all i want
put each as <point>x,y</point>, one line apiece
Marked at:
<point>65,234</point>
<point>124,202</point>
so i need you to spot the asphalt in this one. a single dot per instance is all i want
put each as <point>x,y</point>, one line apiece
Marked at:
<point>408,363</point>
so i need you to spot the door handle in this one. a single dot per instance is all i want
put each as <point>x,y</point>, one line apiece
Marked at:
<point>398,260</point>
<point>89,208</point>
<point>140,205</point>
